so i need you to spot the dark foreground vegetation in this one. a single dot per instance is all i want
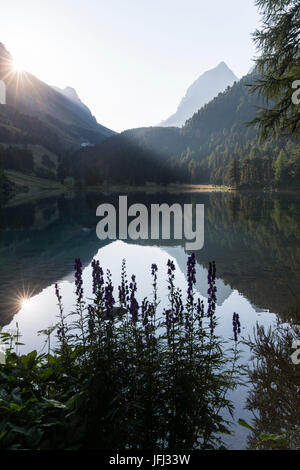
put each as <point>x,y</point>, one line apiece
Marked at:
<point>274,397</point>
<point>123,375</point>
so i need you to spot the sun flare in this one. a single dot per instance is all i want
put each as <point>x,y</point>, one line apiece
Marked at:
<point>17,67</point>
<point>25,302</point>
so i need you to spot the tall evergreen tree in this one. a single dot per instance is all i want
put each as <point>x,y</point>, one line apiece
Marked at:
<point>281,168</point>
<point>234,172</point>
<point>278,65</point>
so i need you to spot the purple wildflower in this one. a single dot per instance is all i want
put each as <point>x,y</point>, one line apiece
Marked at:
<point>168,313</point>
<point>108,295</point>
<point>171,268</point>
<point>171,277</point>
<point>98,279</point>
<point>236,326</point>
<point>146,310</point>
<point>123,288</point>
<point>212,299</point>
<point>200,312</point>
<point>191,277</point>
<point>78,279</point>
<point>57,293</point>
<point>191,281</point>
<point>178,306</point>
<point>154,269</point>
<point>91,320</point>
<point>133,304</point>
<point>61,331</point>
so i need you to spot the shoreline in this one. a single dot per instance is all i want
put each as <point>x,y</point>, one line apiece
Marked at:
<point>21,197</point>
<point>170,188</point>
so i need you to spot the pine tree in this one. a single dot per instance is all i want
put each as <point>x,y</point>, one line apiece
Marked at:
<point>278,66</point>
<point>234,172</point>
<point>281,168</point>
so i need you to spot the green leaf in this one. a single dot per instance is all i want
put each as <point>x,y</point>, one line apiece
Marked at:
<point>74,398</point>
<point>54,403</point>
<point>271,437</point>
<point>29,360</point>
<point>18,429</point>
<point>243,423</point>
<point>15,407</point>
<point>2,358</point>
<point>46,374</point>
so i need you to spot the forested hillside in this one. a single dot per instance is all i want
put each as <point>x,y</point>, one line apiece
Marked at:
<point>229,150</point>
<point>217,145</point>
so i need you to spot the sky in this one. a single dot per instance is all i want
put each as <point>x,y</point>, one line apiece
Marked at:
<point>130,61</point>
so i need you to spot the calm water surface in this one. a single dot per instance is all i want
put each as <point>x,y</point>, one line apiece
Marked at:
<point>254,239</point>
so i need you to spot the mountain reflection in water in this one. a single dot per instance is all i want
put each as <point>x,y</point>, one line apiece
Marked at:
<point>254,239</point>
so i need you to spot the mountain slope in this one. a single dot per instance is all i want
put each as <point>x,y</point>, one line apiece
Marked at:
<point>215,146</point>
<point>203,90</point>
<point>229,151</point>
<point>179,154</point>
<point>60,110</point>
<point>235,106</point>
<point>133,157</point>
<point>72,95</point>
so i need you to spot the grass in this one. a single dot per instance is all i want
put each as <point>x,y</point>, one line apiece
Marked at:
<point>33,183</point>
<point>31,187</point>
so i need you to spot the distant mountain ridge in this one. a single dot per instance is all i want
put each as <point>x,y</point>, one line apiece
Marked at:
<point>72,95</point>
<point>201,92</point>
<point>62,110</point>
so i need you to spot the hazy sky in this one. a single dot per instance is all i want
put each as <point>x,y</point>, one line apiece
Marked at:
<point>130,61</point>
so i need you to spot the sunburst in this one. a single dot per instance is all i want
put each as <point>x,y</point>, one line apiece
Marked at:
<point>25,302</point>
<point>23,297</point>
<point>12,71</point>
<point>17,67</point>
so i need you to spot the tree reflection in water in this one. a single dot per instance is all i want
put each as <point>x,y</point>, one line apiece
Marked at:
<point>275,393</point>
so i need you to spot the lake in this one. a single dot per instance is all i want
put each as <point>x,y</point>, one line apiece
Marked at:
<point>254,238</point>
